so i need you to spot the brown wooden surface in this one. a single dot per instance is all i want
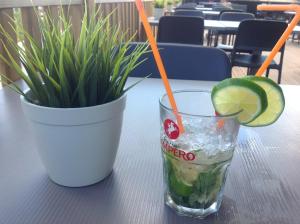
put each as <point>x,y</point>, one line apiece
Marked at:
<point>75,13</point>
<point>90,5</point>
<point>263,186</point>
<point>149,10</point>
<point>30,24</point>
<point>6,23</point>
<point>125,15</point>
<point>30,3</point>
<point>53,11</point>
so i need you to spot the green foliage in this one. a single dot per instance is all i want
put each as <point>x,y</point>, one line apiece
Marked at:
<point>169,2</point>
<point>64,72</point>
<point>159,4</point>
<point>162,3</point>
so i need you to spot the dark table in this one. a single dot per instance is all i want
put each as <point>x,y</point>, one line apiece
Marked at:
<point>263,184</point>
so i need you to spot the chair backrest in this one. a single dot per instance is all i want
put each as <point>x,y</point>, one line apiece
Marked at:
<point>207,4</point>
<point>189,5</point>
<point>184,12</point>
<point>236,16</point>
<point>181,29</point>
<point>241,7</point>
<point>228,10</point>
<point>184,61</point>
<point>258,35</point>
<point>220,8</point>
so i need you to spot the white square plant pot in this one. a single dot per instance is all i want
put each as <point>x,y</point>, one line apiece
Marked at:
<point>78,146</point>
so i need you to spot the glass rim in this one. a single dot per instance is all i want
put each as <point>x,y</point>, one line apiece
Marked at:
<point>233,115</point>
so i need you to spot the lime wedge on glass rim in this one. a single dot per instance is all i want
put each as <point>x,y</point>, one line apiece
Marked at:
<point>276,101</point>
<point>235,95</point>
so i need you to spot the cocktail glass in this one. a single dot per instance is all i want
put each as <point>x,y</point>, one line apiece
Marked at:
<point>196,161</point>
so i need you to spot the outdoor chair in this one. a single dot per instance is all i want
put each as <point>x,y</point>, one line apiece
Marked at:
<point>208,4</point>
<point>236,16</point>
<point>241,7</point>
<point>212,34</point>
<point>220,7</point>
<point>190,5</point>
<point>184,12</point>
<point>184,61</point>
<point>256,36</point>
<point>229,34</point>
<point>181,29</point>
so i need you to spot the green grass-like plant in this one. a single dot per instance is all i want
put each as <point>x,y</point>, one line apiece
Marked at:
<point>159,4</point>
<point>64,72</point>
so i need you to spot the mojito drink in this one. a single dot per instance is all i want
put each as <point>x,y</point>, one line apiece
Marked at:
<point>194,186</point>
<point>196,162</point>
<point>196,158</point>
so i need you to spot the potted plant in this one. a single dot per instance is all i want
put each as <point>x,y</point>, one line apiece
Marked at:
<point>177,2</point>
<point>169,5</point>
<point>159,8</point>
<point>76,94</point>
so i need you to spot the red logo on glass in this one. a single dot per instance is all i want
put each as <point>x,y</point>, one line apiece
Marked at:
<point>171,129</point>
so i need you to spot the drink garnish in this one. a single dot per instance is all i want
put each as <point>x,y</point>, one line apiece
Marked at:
<point>259,100</point>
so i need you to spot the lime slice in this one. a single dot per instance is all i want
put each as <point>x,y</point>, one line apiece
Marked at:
<point>275,101</point>
<point>239,95</point>
<point>185,172</point>
<point>178,187</point>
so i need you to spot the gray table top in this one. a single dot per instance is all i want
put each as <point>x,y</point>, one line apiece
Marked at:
<point>208,24</point>
<point>197,8</point>
<point>211,12</point>
<point>263,184</point>
<point>205,11</point>
<point>214,24</point>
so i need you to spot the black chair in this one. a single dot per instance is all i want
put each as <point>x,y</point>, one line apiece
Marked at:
<point>189,5</point>
<point>241,7</point>
<point>184,12</point>
<point>220,7</point>
<point>212,33</point>
<point>230,33</point>
<point>208,4</point>
<point>236,16</point>
<point>184,61</point>
<point>256,36</point>
<point>229,10</point>
<point>181,29</point>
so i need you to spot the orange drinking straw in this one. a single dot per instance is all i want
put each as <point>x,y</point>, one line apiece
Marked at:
<point>285,35</point>
<point>159,62</point>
